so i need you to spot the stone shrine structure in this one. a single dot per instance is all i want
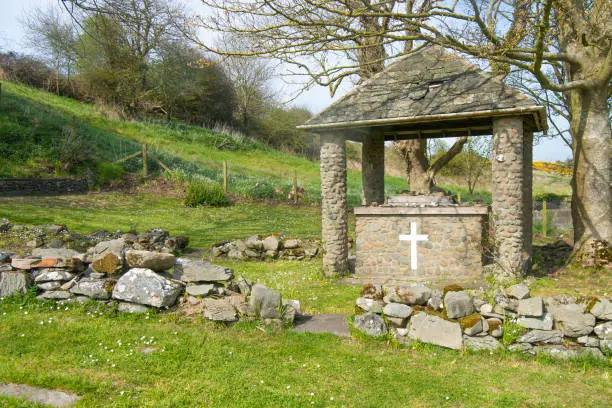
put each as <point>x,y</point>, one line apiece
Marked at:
<point>430,93</point>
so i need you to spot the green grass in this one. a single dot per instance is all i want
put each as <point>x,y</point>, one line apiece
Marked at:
<point>197,363</point>
<point>31,121</point>
<point>204,225</point>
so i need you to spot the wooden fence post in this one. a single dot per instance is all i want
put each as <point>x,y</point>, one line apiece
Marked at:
<point>295,187</point>
<point>544,218</point>
<point>145,161</point>
<point>225,176</point>
<point>458,196</point>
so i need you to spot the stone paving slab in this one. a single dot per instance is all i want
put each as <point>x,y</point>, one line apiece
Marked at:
<point>323,323</point>
<point>39,395</point>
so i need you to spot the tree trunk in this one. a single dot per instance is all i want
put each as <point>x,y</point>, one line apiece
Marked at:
<point>591,208</point>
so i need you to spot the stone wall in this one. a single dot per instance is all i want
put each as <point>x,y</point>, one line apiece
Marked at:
<point>560,326</point>
<point>453,250</point>
<point>42,187</point>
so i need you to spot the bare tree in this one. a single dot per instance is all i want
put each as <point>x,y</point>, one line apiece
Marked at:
<point>48,32</point>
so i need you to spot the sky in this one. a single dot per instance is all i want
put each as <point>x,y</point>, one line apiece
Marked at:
<point>315,99</point>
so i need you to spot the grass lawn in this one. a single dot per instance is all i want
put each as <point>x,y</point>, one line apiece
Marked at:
<point>196,363</point>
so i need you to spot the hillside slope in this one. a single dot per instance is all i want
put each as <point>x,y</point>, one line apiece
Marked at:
<point>31,124</point>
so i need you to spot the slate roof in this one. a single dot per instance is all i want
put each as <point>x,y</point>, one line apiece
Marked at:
<point>430,85</point>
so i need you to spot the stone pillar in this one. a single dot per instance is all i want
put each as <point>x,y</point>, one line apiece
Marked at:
<point>528,193</point>
<point>334,217</point>
<point>373,168</point>
<point>510,196</point>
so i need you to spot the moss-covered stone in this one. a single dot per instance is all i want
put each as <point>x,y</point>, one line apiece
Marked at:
<point>469,321</point>
<point>452,288</point>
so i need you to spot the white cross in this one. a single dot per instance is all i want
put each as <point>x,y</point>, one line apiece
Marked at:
<point>413,237</point>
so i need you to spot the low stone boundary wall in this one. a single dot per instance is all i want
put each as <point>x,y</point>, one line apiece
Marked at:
<point>560,326</point>
<point>42,187</point>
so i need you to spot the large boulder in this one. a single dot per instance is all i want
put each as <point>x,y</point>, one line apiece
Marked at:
<point>602,309</point>
<point>188,270</point>
<point>94,288</point>
<point>371,324</point>
<point>435,330</point>
<point>12,283</point>
<point>109,256</point>
<point>265,303</point>
<point>408,295</point>
<point>458,304</point>
<point>271,243</point>
<point>145,287</point>
<point>219,310</point>
<point>156,261</point>
<point>573,323</point>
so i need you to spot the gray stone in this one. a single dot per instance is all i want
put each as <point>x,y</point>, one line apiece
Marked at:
<point>371,324</point>
<point>143,286</point>
<point>156,261</point>
<point>604,331</point>
<point>39,395</point>
<point>251,253</point>
<point>602,309</point>
<point>408,295</point>
<point>531,307</point>
<point>542,336</point>
<point>53,285</point>
<point>295,304</point>
<point>524,348</point>
<point>93,288</point>
<point>254,243</point>
<point>435,330</point>
<point>435,302</point>
<point>369,305</point>
<point>55,295</point>
<point>396,322</point>
<point>481,343</point>
<point>200,271</point>
<point>265,303</point>
<point>291,243</point>
<point>12,283</point>
<point>605,346</point>
<point>478,303</point>
<point>131,308</point>
<point>518,291</point>
<point>544,322</point>
<point>486,308</point>
<point>5,268</point>
<point>50,274</point>
<point>573,323</point>
<point>474,329</point>
<point>324,323</point>
<point>200,290</point>
<point>564,353</point>
<point>458,304</point>
<point>397,310</point>
<point>63,253</point>
<point>271,243</point>
<point>588,341</point>
<point>97,275</point>
<point>244,285</point>
<point>219,310</point>
<point>24,263</point>
<point>109,256</point>
<point>5,256</point>
<point>236,254</point>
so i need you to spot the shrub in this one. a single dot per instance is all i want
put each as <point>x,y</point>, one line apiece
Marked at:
<point>105,172</point>
<point>202,192</point>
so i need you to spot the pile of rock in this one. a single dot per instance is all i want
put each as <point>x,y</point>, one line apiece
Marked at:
<point>561,326</point>
<point>58,236</point>
<point>134,280</point>
<point>267,247</point>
